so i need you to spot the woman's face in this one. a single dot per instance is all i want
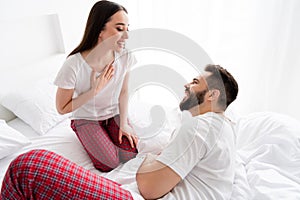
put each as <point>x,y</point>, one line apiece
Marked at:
<point>115,32</point>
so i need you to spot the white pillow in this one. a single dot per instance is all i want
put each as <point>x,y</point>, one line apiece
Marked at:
<point>35,105</point>
<point>10,140</point>
<point>253,129</point>
<point>26,75</point>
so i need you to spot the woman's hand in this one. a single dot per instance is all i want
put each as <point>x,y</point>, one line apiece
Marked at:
<point>97,83</point>
<point>128,131</point>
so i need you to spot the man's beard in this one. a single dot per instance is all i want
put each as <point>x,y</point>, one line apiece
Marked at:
<point>194,99</point>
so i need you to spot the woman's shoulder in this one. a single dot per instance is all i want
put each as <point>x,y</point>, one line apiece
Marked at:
<point>73,58</point>
<point>73,61</point>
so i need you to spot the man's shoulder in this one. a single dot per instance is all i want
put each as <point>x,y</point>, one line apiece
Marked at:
<point>210,122</point>
<point>187,120</point>
<point>210,118</point>
<point>197,125</point>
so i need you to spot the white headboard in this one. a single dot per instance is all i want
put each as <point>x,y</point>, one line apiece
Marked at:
<point>24,41</point>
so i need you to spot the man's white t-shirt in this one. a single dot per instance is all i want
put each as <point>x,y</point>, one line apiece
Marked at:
<point>201,152</point>
<point>203,155</point>
<point>76,73</point>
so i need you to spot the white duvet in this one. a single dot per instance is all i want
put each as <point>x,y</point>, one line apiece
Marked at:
<point>267,163</point>
<point>268,155</point>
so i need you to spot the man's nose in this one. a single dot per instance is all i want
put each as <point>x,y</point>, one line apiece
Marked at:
<point>187,86</point>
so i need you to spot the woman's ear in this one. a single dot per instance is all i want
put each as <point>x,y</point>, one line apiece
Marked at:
<point>213,94</point>
<point>100,37</point>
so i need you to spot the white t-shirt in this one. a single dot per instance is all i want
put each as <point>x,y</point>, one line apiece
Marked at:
<point>76,73</point>
<point>203,155</point>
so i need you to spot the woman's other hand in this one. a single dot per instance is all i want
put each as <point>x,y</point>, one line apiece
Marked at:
<point>128,131</point>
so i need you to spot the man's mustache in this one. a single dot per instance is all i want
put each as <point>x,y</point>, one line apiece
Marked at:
<point>188,90</point>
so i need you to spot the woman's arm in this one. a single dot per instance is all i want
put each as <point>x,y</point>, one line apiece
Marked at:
<point>125,129</point>
<point>123,101</point>
<point>65,103</point>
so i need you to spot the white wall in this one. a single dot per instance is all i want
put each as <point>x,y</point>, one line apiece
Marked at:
<point>258,41</point>
<point>72,15</point>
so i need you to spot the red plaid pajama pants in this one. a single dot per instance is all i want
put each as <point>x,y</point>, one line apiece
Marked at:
<point>100,140</point>
<point>41,174</point>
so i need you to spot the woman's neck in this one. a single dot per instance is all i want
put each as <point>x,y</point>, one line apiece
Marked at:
<point>98,59</point>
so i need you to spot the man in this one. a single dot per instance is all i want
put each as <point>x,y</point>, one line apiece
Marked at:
<point>200,160</point>
<point>197,164</point>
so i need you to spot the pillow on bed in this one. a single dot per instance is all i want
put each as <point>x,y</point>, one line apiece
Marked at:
<point>256,127</point>
<point>35,105</point>
<point>13,77</point>
<point>10,140</point>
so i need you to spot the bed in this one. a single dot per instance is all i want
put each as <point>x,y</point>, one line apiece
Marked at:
<point>267,143</point>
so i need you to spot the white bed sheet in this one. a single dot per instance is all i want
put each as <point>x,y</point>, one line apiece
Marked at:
<point>267,164</point>
<point>61,139</point>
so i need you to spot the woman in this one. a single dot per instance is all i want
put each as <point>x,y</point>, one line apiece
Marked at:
<point>92,84</point>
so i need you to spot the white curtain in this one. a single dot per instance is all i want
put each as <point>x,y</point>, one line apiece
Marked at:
<point>258,41</point>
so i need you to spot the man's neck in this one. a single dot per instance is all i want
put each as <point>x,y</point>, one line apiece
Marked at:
<point>197,110</point>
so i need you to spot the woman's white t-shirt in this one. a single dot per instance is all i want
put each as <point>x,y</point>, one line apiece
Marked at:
<point>76,73</point>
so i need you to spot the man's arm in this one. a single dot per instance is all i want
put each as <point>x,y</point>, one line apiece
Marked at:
<point>155,179</point>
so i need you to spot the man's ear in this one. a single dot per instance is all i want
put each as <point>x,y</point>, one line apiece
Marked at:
<point>213,94</point>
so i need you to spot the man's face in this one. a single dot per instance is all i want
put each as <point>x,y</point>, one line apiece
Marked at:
<point>195,92</point>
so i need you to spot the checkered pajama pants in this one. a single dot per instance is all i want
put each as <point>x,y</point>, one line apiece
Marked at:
<point>41,174</point>
<point>100,140</point>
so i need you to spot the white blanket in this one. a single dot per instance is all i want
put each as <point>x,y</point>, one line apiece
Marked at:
<point>268,149</point>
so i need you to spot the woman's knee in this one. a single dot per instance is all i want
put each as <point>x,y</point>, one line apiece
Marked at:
<point>106,165</point>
